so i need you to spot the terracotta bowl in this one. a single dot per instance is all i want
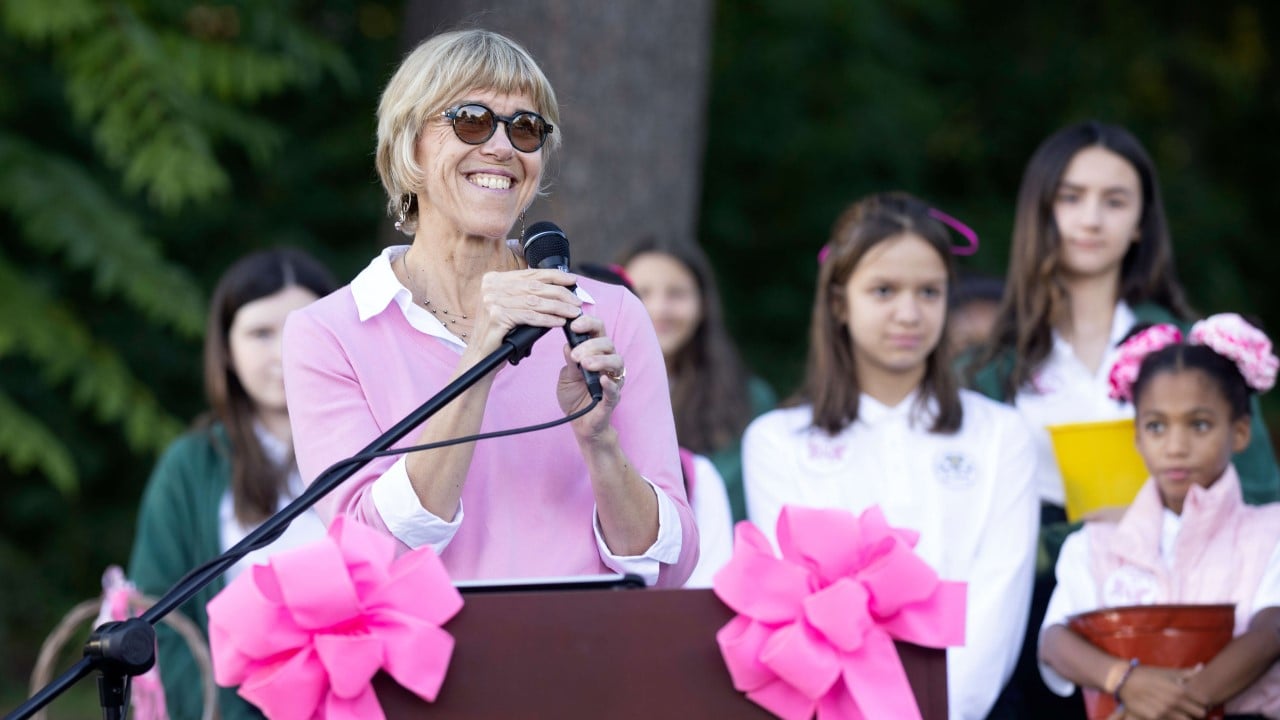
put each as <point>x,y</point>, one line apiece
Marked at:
<point>1175,636</point>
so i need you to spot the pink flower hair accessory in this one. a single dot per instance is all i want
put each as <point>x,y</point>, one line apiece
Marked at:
<point>1234,338</point>
<point>815,627</point>
<point>1130,354</point>
<point>304,635</point>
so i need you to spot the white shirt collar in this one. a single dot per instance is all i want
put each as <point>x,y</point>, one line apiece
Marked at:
<point>1122,321</point>
<point>377,287</point>
<point>280,453</point>
<point>873,412</point>
<point>276,450</point>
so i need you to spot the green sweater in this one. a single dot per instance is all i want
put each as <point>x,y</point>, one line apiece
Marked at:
<point>178,529</point>
<point>728,460</point>
<point>1256,464</point>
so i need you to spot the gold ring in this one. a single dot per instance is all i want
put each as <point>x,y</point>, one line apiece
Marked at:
<point>619,376</point>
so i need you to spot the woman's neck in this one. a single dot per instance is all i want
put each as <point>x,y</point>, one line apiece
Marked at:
<point>887,387</point>
<point>447,270</point>
<point>276,423</point>
<point>1088,326</point>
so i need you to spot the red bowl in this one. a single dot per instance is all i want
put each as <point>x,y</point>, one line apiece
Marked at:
<point>1173,636</point>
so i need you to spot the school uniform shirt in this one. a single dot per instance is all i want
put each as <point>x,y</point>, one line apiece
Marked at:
<point>302,530</point>
<point>363,358</point>
<point>1064,391</point>
<point>1219,550</point>
<point>969,495</point>
<point>180,526</point>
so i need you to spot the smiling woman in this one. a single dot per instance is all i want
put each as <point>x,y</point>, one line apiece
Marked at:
<point>464,127</point>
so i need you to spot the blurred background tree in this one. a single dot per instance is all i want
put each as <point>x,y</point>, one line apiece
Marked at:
<point>145,144</point>
<point>816,103</point>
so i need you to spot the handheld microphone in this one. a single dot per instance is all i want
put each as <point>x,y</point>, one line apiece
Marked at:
<point>545,247</point>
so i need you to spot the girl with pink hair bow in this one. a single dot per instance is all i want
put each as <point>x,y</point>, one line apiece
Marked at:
<point>1188,537</point>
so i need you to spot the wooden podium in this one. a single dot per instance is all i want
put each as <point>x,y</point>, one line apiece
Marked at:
<point>605,654</point>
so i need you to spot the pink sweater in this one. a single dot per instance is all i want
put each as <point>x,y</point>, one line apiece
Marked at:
<point>528,506</point>
<point>1221,554</point>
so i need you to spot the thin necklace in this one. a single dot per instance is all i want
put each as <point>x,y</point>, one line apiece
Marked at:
<point>446,317</point>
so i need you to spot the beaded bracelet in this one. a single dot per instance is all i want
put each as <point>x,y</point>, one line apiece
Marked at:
<point>1124,679</point>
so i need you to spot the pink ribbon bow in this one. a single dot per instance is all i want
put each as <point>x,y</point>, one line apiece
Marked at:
<point>304,635</point>
<point>1131,353</point>
<point>815,628</point>
<point>1232,337</point>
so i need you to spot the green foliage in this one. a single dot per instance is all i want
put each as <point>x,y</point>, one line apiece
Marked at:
<point>27,445</point>
<point>158,91</point>
<point>142,149</point>
<point>60,208</point>
<point>831,100</point>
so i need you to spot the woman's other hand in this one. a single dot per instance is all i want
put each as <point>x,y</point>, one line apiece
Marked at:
<point>596,354</point>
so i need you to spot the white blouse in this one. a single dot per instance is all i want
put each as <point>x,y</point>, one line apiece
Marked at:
<point>1064,391</point>
<point>969,495</point>
<point>710,502</point>
<point>306,528</point>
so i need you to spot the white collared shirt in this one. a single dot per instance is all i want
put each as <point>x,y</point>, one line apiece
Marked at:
<point>969,495</point>
<point>374,290</point>
<point>304,529</point>
<point>1064,391</point>
<point>710,502</point>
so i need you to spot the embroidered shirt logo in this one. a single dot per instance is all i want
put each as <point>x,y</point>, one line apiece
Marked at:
<point>1130,585</point>
<point>826,449</point>
<point>955,469</point>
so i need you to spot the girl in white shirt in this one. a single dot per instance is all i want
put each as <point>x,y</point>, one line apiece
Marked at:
<point>880,421</point>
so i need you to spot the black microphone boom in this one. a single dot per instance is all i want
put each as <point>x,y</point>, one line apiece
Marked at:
<point>546,247</point>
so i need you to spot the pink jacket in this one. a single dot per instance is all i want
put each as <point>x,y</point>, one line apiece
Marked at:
<point>1221,554</point>
<point>527,504</point>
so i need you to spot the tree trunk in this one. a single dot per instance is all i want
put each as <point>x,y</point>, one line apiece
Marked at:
<point>631,79</point>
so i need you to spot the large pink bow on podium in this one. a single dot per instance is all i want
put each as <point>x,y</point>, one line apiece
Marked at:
<point>815,628</point>
<point>304,635</point>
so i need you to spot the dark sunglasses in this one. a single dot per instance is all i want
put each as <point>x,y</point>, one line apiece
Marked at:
<point>474,124</point>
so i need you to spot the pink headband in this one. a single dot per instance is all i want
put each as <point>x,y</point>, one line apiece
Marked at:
<point>1227,334</point>
<point>620,272</point>
<point>965,231</point>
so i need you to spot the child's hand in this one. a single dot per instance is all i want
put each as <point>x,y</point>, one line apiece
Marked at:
<point>1111,514</point>
<point>1155,693</point>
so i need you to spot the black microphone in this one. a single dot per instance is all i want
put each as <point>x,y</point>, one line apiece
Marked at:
<point>545,247</point>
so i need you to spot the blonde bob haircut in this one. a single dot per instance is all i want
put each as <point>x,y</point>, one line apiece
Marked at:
<point>436,74</point>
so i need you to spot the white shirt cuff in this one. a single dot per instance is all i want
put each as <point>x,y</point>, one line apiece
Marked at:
<point>666,549</point>
<point>403,514</point>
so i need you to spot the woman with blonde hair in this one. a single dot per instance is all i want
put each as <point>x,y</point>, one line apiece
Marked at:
<point>464,130</point>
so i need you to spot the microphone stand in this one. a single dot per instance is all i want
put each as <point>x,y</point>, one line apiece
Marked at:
<point>122,650</point>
